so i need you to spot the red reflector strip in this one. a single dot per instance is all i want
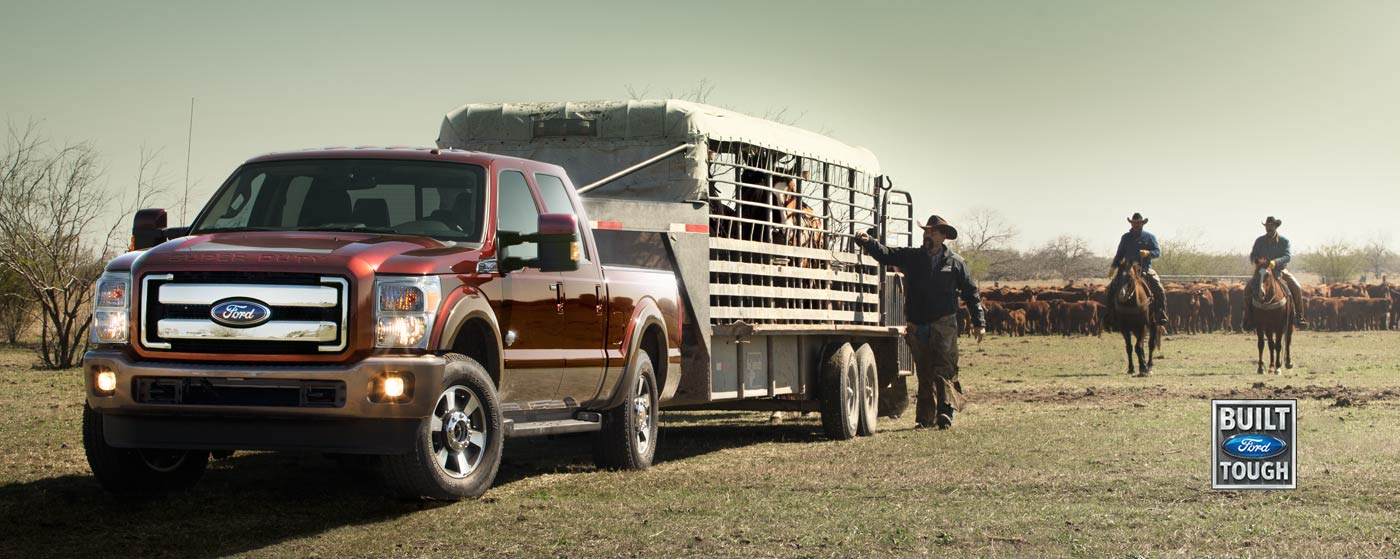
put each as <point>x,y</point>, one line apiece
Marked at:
<point>612,225</point>
<point>690,228</point>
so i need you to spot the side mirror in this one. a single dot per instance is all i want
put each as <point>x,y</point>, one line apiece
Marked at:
<point>558,245</point>
<point>148,229</point>
<point>559,251</point>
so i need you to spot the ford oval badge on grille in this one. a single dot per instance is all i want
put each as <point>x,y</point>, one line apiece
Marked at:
<point>240,313</point>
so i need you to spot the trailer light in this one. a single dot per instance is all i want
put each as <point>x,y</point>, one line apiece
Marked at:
<point>393,387</point>
<point>106,381</point>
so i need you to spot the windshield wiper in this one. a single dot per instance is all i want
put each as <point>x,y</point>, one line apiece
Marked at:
<point>348,229</point>
<point>233,230</point>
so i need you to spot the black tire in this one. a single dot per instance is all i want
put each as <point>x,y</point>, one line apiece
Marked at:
<point>840,382</point>
<point>458,450</point>
<point>869,391</point>
<point>628,438</point>
<point>127,471</point>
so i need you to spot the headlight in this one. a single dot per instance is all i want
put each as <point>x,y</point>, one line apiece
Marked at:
<point>404,310</point>
<point>111,308</point>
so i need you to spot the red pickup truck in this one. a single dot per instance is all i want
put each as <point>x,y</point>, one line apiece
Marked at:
<point>416,304</point>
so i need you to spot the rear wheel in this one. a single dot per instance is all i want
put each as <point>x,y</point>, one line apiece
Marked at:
<point>131,471</point>
<point>458,447</point>
<point>628,438</point>
<point>840,386</point>
<point>869,391</point>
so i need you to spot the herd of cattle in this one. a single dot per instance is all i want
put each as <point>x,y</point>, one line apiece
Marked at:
<point>1191,308</point>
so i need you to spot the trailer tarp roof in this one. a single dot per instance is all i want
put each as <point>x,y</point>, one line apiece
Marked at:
<point>592,139</point>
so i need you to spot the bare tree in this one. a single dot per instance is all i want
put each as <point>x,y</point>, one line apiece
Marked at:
<point>983,240</point>
<point>57,229</point>
<point>16,306</point>
<point>1377,255</point>
<point>1068,258</point>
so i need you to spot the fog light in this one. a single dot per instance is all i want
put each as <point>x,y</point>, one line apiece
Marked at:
<point>393,387</point>
<point>106,381</point>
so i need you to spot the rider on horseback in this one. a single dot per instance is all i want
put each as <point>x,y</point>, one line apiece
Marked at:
<point>1140,244</point>
<point>1271,251</point>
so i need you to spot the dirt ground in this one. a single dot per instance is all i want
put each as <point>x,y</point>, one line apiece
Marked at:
<point>1059,454</point>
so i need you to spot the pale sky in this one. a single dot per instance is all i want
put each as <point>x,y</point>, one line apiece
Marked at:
<point>1064,116</point>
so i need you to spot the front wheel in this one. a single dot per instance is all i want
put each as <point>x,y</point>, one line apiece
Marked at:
<point>628,438</point>
<point>458,447</point>
<point>129,471</point>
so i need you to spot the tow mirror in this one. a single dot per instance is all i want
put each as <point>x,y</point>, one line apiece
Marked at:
<point>558,245</point>
<point>148,228</point>
<point>559,251</point>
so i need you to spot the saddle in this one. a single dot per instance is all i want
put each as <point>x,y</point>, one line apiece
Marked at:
<point>1269,293</point>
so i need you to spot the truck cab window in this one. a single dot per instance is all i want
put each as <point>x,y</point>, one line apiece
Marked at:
<point>380,197</point>
<point>517,212</point>
<point>556,201</point>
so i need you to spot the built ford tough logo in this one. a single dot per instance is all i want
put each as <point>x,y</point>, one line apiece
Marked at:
<point>1254,444</point>
<point>240,314</point>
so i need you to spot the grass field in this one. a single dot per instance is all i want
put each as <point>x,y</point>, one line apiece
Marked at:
<point>1060,454</point>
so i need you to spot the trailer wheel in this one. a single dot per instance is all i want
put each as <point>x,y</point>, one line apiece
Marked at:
<point>869,391</point>
<point>458,447</point>
<point>840,386</point>
<point>628,438</point>
<point>128,471</point>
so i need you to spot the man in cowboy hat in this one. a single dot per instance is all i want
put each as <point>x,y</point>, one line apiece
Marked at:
<point>1271,251</point>
<point>934,279</point>
<point>1140,246</point>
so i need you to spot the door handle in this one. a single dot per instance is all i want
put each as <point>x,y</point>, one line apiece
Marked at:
<point>598,299</point>
<point>558,297</point>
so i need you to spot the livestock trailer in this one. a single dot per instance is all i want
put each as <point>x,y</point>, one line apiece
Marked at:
<point>757,221</point>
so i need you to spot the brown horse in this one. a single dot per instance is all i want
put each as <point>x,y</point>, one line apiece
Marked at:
<point>1133,316</point>
<point>806,227</point>
<point>1272,320</point>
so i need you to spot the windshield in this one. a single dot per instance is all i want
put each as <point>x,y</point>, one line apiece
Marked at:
<point>440,200</point>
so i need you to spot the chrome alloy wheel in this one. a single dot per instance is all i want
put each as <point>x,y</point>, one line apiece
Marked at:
<point>458,428</point>
<point>641,404</point>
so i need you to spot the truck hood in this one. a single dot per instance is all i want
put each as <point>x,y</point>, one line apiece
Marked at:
<point>359,254</point>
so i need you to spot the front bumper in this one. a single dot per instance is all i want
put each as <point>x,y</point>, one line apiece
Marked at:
<point>353,423</point>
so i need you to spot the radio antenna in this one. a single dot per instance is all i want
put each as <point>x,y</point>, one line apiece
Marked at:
<point>189,142</point>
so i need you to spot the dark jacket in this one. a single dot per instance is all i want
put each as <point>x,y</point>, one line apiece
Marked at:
<point>932,283</point>
<point>1271,248</point>
<point>1131,243</point>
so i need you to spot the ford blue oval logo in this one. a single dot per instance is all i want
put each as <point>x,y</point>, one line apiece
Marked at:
<point>240,313</point>
<point>1254,445</point>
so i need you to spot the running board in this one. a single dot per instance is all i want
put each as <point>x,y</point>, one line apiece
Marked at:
<point>587,422</point>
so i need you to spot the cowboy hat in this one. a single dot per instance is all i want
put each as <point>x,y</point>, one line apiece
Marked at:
<point>1137,218</point>
<point>1273,222</point>
<point>935,222</point>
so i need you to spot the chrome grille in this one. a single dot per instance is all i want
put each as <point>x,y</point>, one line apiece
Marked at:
<point>309,313</point>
